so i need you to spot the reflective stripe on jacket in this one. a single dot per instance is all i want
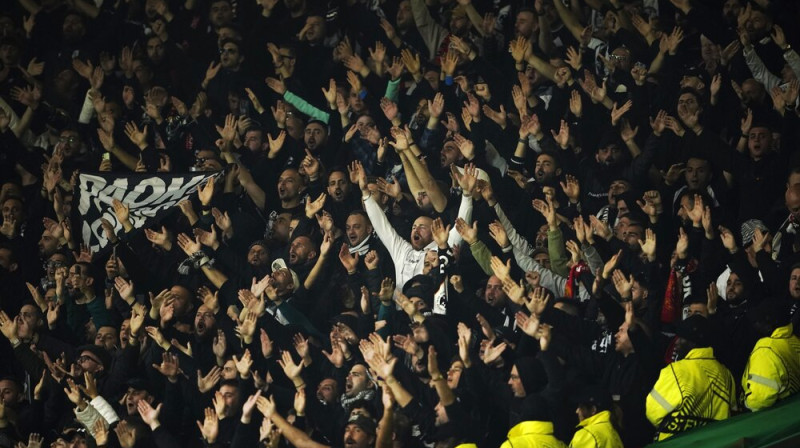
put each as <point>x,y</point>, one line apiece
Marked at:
<point>691,392</point>
<point>596,432</point>
<point>773,370</point>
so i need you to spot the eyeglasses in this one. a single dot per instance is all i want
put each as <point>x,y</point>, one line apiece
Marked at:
<point>72,139</point>
<point>83,358</point>
<point>52,264</point>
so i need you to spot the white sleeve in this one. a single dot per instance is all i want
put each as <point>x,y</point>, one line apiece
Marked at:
<point>547,278</point>
<point>793,59</point>
<point>432,33</point>
<point>105,409</point>
<point>516,240</point>
<point>465,213</point>
<point>759,70</point>
<point>394,243</point>
<point>87,417</point>
<point>87,110</point>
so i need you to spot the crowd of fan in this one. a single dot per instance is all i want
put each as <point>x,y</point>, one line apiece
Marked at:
<point>453,223</point>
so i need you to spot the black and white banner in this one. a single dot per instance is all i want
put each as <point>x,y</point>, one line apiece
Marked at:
<point>147,196</point>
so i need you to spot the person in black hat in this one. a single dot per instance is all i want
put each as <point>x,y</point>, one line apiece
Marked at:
<point>680,399</point>
<point>773,369</point>
<point>26,417</point>
<point>111,374</point>
<point>596,427</point>
<point>73,435</point>
<point>138,389</point>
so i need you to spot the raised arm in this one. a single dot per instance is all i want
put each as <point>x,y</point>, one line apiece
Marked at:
<point>295,436</point>
<point>394,243</point>
<point>420,170</point>
<point>324,251</point>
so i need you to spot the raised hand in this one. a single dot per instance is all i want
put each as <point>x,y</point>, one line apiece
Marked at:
<point>574,251</point>
<point>467,232</point>
<point>243,365</point>
<point>493,353</point>
<point>289,367</point>
<point>562,137</point>
<point>695,213</point>
<point>138,312</point>
<point>611,264</point>
<point>498,233</point>
<point>436,107</point>
<point>649,245</point>
<point>651,203</point>
<point>528,324</point>
<point>539,299</point>
<point>519,48</point>
<point>73,392</point>
<point>659,123</point>
<point>126,434</point>
<point>100,430</point>
<point>467,180</point>
<point>188,245</point>
<point>514,291</point>
<point>548,210</point>
<point>207,382</point>
<point>148,414</point>
<point>314,207</point>
<point>137,137</point>
<point>209,429</point>
<point>169,366</point>
<point>207,238</point>
<point>440,233</point>
<point>600,228</point>
<point>712,297</point>
<point>572,188</point>
<point>623,285</point>
<point>411,61</point>
<point>336,356</point>
<point>8,326</point>
<point>728,240</point>
<point>161,239</point>
<point>372,259</point>
<point>247,328</point>
<point>211,72</point>
<point>501,270</point>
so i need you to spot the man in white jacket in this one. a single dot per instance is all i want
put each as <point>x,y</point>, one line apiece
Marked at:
<point>409,257</point>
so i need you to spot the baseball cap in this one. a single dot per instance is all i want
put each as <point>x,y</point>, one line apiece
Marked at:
<point>365,423</point>
<point>279,264</point>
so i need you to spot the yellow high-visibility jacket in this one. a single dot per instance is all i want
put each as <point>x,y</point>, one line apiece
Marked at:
<point>773,370</point>
<point>691,392</point>
<point>532,434</point>
<point>596,432</point>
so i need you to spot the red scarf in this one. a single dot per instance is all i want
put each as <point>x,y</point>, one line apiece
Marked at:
<point>671,308</point>
<point>571,288</point>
